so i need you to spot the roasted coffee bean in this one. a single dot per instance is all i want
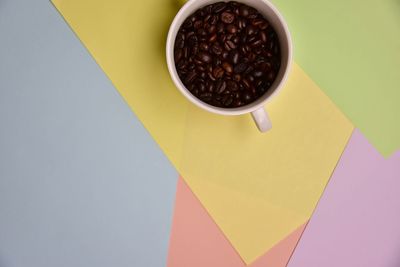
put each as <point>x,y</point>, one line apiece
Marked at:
<point>234,57</point>
<point>192,18</point>
<point>213,38</point>
<point>263,25</point>
<point>270,45</point>
<point>187,24</point>
<point>180,40</point>
<point>185,52</point>
<point>195,50</point>
<point>246,83</point>
<point>227,100</point>
<point>202,32</point>
<point>242,23</point>
<point>222,38</point>
<point>245,49</point>
<point>181,65</point>
<point>234,5</point>
<point>262,85</point>
<point>253,16</point>
<point>220,28</point>
<point>178,54</point>
<point>232,85</point>
<point>229,45</point>
<point>190,77</point>
<point>251,56</point>
<point>240,68</point>
<point>266,66</point>
<point>205,57</point>
<point>227,67</point>
<point>207,18</point>
<point>238,103</point>
<point>212,78</point>
<point>212,29</point>
<point>231,28</point>
<point>256,43</point>
<point>192,87</point>
<point>263,36</point>
<point>227,54</point>
<point>206,96</point>
<point>201,87</point>
<point>198,24</point>
<point>236,11</point>
<point>220,86</point>
<point>201,12</point>
<point>244,11</point>
<point>218,72</point>
<point>198,61</point>
<point>204,46</point>
<point>217,49</point>
<point>257,22</point>
<point>210,87</point>
<point>271,76</point>
<point>227,17</point>
<point>237,77</point>
<point>189,34</point>
<point>210,8</point>
<point>259,50</point>
<point>199,80</point>
<point>217,61</point>
<point>218,7</point>
<point>251,39</point>
<point>209,68</point>
<point>247,97</point>
<point>249,70</point>
<point>193,40</point>
<point>229,36</point>
<point>250,30</point>
<point>213,20</point>
<point>258,73</point>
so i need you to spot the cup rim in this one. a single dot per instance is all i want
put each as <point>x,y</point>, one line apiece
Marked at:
<point>260,102</point>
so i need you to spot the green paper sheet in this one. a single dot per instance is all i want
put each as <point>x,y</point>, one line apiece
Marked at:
<point>351,49</point>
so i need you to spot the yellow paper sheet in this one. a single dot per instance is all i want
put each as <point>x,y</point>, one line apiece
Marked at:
<point>257,187</point>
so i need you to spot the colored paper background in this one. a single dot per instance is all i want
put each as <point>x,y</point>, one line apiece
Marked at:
<point>196,240</point>
<point>351,49</point>
<point>357,219</point>
<point>257,187</point>
<point>82,183</point>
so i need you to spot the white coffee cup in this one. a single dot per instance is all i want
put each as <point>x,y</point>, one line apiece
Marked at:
<point>256,108</point>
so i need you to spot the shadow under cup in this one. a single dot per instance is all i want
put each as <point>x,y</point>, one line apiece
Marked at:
<point>274,18</point>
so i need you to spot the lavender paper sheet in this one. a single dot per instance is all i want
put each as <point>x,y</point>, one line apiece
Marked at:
<point>357,221</point>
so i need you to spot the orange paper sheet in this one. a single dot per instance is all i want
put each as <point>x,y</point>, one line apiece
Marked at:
<point>196,241</point>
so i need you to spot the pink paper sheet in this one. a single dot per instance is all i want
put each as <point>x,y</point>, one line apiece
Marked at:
<point>357,221</point>
<point>196,241</point>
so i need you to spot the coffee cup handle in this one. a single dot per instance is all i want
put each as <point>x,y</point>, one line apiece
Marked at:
<point>260,117</point>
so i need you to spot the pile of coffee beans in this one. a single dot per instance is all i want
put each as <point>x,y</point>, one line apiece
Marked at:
<point>227,54</point>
